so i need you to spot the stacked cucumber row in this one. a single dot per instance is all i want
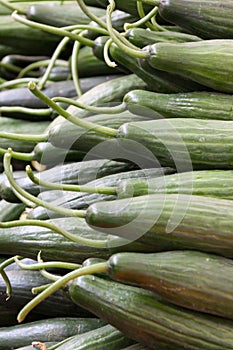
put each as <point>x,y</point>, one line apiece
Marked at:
<point>116,180</point>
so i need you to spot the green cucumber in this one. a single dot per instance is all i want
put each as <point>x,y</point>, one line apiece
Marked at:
<point>103,338</point>
<point>194,280</point>
<point>141,37</point>
<point>22,282</point>
<point>10,211</point>
<point>210,19</point>
<point>70,173</point>
<point>171,221</point>
<point>80,200</point>
<point>201,144</point>
<point>61,15</point>
<point>201,104</point>
<point>211,183</point>
<point>145,317</point>
<point>156,79</point>
<point>207,62</point>
<point>130,6</point>
<point>46,330</point>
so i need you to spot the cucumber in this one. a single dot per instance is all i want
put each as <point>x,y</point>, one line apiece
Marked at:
<point>103,338</point>
<point>61,15</point>
<point>194,280</point>
<point>209,19</point>
<point>20,126</point>
<point>28,241</point>
<point>136,347</point>
<point>10,211</point>
<point>160,326</point>
<point>211,183</point>
<point>70,173</point>
<point>46,330</point>
<point>201,144</point>
<point>157,80</point>
<point>201,104</point>
<point>22,282</point>
<point>207,62</point>
<point>129,7</point>
<point>141,37</point>
<point>198,222</point>
<point>81,200</point>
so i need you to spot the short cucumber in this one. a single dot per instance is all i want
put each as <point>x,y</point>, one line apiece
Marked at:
<point>160,326</point>
<point>141,37</point>
<point>202,144</point>
<point>103,338</point>
<point>10,211</point>
<point>212,183</point>
<point>207,62</point>
<point>194,280</point>
<point>198,222</point>
<point>210,19</point>
<point>46,330</point>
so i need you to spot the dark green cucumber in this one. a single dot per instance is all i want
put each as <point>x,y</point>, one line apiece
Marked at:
<point>61,15</point>
<point>211,183</point>
<point>141,37</point>
<point>194,280</point>
<point>28,241</point>
<point>28,41</point>
<point>22,282</point>
<point>20,127</point>
<point>210,19</point>
<point>10,211</point>
<point>201,144</point>
<point>70,173</point>
<point>171,221</point>
<point>203,105</point>
<point>145,317</point>
<point>80,200</point>
<point>46,330</point>
<point>103,338</point>
<point>157,80</point>
<point>130,6</point>
<point>205,62</point>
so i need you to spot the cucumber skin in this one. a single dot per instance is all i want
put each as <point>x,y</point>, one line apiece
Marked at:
<point>207,144</point>
<point>198,104</point>
<point>206,62</point>
<point>211,183</point>
<point>209,19</point>
<point>46,330</point>
<point>194,280</point>
<point>161,325</point>
<point>202,223</point>
<point>10,211</point>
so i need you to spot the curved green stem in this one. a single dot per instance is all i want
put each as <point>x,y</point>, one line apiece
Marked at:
<point>142,15</point>
<point>52,62</point>
<point>36,200</point>
<point>107,59</point>
<point>17,83</point>
<point>91,15</point>
<point>107,110</point>
<point>101,267</point>
<point>39,64</point>
<point>119,40</point>
<point>69,187</point>
<point>46,265</point>
<point>25,110</point>
<point>85,27</point>
<point>75,120</point>
<point>10,67</point>
<point>39,289</point>
<point>3,265</point>
<point>27,157</point>
<point>46,274</point>
<point>74,67</point>
<point>12,7</point>
<point>24,137</point>
<point>51,29</point>
<point>143,20</point>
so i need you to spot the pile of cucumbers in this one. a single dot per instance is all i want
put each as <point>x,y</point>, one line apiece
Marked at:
<point>116,182</point>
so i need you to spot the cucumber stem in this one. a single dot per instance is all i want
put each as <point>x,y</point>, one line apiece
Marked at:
<point>39,64</point>
<point>27,157</point>
<point>107,110</point>
<point>24,137</point>
<point>107,59</point>
<point>89,14</point>
<point>143,20</point>
<point>45,265</point>
<point>75,120</point>
<point>69,187</point>
<point>100,267</point>
<point>74,66</point>
<point>84,27</point>
<point>17,82</point>
<point>52,30</point>
<point>25,110</point>
<point>142,14</point>
<point>39,289</point>
<point>10,67</point>
<point>3,265</point>
<point>33,199</point>
<point>12,7</point>
<point>46,274</point>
